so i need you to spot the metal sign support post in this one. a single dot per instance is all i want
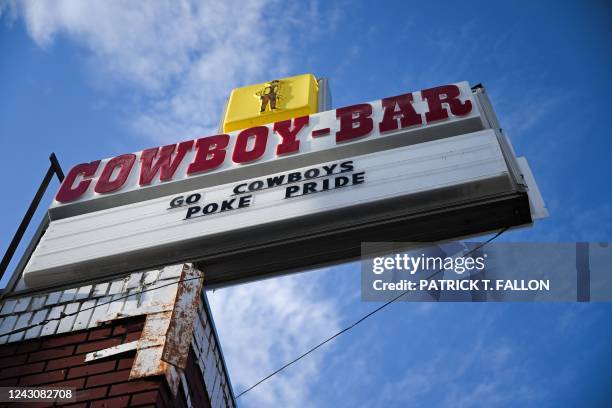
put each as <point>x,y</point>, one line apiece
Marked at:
<point>54,168</point>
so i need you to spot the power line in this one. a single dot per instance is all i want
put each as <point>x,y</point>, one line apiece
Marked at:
<point>355,323</point>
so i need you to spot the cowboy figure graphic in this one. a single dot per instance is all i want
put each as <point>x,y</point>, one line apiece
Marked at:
<point>269,95</point>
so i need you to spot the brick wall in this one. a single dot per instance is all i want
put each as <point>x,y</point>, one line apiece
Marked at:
<point>60,361</point>
<point>64,324</point>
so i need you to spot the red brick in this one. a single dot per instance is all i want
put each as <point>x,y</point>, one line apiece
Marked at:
<point>79,405</point>
<point>149,397</point>
<point>27,346</point>
<point>136,324</point>
<point>43,378</point>
<point>134,386</point>
<point>165,395</point>
<point>64,340</point>
<point>125,363</point>
<point>108,378</point>
<point>71,361</point>
<point>22,370</point>
<point>100,333</point>
<point>9,382</point>
<point>33,404</point>
<point>51,353</point>
<point>133,336</point>
<point>8,350</point>
<point>117,402</point>
<point>93,368</point>
<point>76,384</point>
<point>13,360</point>
<point>129,326</point>
<point>98,345</point>
<point>91,393</point>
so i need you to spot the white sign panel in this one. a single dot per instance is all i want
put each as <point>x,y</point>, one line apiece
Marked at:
<point>226,220</point>
<point>384,124</point>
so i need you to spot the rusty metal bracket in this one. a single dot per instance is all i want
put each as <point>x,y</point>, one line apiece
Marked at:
<point>179,334</point>
<point>163,346</point>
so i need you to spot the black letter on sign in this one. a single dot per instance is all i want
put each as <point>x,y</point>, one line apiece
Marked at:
<point>289,191</point>
<point>191,211</point>
<point>244,201</point>
<point>226,205</point>
<point>176,202</point>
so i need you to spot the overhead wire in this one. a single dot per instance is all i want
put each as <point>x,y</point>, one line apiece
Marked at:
<point>356,322</point>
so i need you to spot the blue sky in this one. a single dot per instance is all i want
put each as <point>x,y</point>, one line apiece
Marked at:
<point>93,80</point>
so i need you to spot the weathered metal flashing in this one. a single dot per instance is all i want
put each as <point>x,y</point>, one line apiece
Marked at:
<point>179,334</point>
<point>164,343</point>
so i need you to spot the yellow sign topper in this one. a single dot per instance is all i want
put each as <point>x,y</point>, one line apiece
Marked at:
<point>273,101</point>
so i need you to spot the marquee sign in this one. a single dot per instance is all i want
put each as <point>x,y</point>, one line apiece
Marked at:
<point>392,122</point>
<point>422,166</point>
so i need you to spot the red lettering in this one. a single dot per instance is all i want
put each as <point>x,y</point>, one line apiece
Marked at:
<point>124,163</point>
<point>355,121</point>
<point>449,95</point>
<point>260,135</point>
<point>290,144</point>
<point>165,162</point>
<point>406,114</point>
<point>67,192</point>
<point>210,153</point>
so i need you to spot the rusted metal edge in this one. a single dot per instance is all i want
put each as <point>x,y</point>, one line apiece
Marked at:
<point>180,330</point>
<point>166,337</point>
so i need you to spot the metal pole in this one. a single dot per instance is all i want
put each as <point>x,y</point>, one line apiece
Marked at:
<point>54,168</point>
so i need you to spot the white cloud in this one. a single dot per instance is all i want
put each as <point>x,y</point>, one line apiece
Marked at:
<point>536,104</point>
<point>447,378</point>
<point>178,59</point>
<point>264,325</point>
